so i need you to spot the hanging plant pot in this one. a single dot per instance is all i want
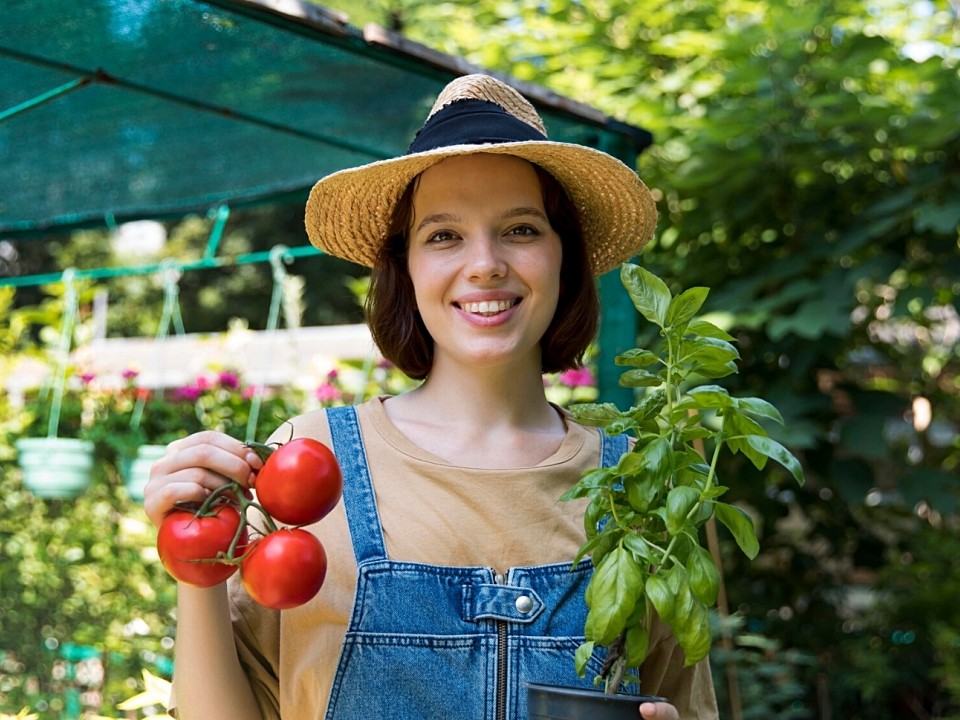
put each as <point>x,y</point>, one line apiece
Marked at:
<point>136,470</point>
<point>550,702</point>
<point>55,467</point>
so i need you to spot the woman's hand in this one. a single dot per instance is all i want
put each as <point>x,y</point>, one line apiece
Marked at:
<point>195,466</point>
<point>658,711</point>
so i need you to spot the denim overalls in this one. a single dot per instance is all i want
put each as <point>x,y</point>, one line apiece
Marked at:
<point>448,643</point>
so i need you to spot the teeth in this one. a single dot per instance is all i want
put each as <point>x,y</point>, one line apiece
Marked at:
<point>486,307</point>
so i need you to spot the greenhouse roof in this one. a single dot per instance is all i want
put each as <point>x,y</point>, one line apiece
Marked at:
<point>113,110</point>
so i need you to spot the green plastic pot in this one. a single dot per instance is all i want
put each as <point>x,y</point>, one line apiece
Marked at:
<point>55,467</point>
<point>136,470</point>
<point>550,702</point>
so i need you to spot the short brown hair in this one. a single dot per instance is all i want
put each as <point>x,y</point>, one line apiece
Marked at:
<point>399,332</point>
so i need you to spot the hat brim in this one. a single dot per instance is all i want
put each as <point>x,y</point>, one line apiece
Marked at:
<point>348,212</point>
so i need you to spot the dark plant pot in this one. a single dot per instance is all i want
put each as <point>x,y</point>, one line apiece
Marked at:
<point>549,702</point>
<point>55,467</point>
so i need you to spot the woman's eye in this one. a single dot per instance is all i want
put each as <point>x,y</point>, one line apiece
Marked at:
<point>441,236</point>
<point>524,230</point>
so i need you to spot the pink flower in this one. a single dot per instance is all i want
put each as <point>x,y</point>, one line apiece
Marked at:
<point>333,375</point>
<point>87,378</point>
<point>327,393</point>
<point>130,374</point>
<point>188,392</point>
<point>578,377</point>
<point>229,380</point>
<point>202,383</point>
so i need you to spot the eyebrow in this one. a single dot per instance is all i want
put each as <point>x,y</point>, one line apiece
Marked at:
<point>512,213</point>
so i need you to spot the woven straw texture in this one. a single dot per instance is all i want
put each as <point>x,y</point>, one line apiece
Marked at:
<point>348,212</point>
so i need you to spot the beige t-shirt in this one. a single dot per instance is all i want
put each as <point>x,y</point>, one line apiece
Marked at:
<point>437,514</point>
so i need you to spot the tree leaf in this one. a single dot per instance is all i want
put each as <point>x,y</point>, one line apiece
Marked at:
<point>650,294</point>
<point>741,527</point>
<point>708,351</point>
<point>684,306</point>
<point>775,451</point>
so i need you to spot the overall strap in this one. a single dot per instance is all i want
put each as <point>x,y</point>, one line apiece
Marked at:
<point>611,448</point>
<point>359,501</point>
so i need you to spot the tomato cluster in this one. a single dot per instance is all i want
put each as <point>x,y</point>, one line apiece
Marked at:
<point>299,484</point>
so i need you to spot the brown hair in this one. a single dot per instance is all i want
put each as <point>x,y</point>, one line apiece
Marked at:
<point>399,332</point>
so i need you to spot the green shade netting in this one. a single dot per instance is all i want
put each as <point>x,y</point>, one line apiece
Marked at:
<point>185,104</point>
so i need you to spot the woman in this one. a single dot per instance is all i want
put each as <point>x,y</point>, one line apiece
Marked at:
<point>449,582</point>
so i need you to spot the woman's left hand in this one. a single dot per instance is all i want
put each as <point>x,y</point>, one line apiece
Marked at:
<point>658,711</point>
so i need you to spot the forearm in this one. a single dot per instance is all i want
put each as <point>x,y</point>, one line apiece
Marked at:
<point>210,683</point>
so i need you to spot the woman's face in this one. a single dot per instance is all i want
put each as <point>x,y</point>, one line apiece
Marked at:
<point>484,260</point>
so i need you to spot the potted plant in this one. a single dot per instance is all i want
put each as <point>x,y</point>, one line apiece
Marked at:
<point>644,515</point>
<point>54,450</point>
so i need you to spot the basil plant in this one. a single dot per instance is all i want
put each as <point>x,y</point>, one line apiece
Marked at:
<point>644,517</point>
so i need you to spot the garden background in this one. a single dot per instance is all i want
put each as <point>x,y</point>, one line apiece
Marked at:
<point>806,162</point>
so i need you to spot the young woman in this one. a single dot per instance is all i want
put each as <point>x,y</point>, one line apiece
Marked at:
<point>449,583</point>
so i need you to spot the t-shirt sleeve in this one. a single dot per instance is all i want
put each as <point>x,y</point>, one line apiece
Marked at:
<point>256,631</point>
<point>689,689</point>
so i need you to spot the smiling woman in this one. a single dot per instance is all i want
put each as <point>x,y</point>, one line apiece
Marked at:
<point>449,586</point>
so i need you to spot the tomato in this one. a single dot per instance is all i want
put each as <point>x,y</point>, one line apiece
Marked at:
<point>189,545</point>
<point>299,482</point>
<point>284,569</point>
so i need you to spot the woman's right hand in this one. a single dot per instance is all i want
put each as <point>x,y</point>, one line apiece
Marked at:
<point>193,467</point>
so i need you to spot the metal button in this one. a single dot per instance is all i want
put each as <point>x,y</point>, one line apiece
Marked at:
<point>524,604</point>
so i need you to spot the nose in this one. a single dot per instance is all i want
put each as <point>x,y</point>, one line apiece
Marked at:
<point>485,258</point>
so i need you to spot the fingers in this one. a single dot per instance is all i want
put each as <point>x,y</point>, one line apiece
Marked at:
<point>195,466</point>
<point>658,711</point>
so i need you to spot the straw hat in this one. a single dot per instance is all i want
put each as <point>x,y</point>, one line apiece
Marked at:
<point>348,212</point>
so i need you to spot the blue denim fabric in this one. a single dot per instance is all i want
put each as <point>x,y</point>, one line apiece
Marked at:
<point>448,643</point>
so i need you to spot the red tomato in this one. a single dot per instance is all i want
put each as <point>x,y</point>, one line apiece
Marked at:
<point>299,482</point>
<point>189,545</point>
<point>284,569</point>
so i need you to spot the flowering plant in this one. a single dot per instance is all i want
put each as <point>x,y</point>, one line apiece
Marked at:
<point>132,415</point>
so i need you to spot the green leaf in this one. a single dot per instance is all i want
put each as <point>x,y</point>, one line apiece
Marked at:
<point>638,377</point>
<point>637,357</point>
<point>708,351</point>
<point>611,595</point>
<point>705,328</point>
<point>775,451</point>
<point>685,305</point>
<point>703,576</point>
<point>741,527</point>
<point>641,491</point>
<point>694,634</point>
<point>650,294</point>
<point>759,407</point>
<point>709,396</point>
<point>680,502</point>
<point>582,656</point>
<point>662,597</point>
<point>595,414</point>
<point>637,644</point>
<point>651,405</point>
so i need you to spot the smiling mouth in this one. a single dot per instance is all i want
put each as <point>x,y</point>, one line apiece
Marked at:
<point>488,308</point>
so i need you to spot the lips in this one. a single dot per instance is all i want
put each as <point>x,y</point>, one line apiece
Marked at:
<point>488,308</point>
